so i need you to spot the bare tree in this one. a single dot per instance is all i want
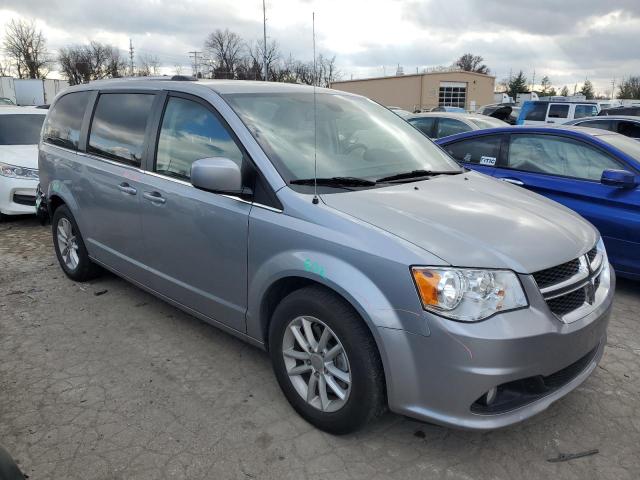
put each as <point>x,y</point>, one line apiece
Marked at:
<point>257,54</point>
<point>177,68</point>
<point>148,65</point>
<point>472,63</point>
<point>630,88</point>
<point>224,50</point>
<point>95,61</point>
<point>26,47</point>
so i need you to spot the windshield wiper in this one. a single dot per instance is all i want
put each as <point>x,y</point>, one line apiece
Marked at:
<point>415,174</point>
<point>335,182</point>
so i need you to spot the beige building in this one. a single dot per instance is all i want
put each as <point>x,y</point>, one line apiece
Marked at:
<point>425,90</point>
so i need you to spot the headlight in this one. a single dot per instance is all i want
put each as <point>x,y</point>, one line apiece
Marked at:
<point>12,171</point>
<point>468,295</point>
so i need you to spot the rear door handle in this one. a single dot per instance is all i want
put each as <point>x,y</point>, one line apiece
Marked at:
<point>126,188</point>
<point>513,181</point>
<point>154,197</point>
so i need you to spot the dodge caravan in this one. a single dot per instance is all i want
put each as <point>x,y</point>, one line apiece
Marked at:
<point>320,226</point>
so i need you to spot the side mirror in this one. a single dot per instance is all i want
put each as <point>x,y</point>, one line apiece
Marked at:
<point>217,174</point>
<point>618,178</point>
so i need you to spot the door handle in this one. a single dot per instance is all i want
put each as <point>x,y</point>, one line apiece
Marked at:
<point>154,197</point>
<point>126,188</point>
<point>513,181</point>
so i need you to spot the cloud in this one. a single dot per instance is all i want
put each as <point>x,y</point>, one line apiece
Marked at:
<point>568,40</point>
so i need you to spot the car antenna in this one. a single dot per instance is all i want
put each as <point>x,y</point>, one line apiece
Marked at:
<point>315,119</point>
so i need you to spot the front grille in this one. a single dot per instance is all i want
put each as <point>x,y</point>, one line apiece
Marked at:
<point>553,275</point>
<point>29,200</point>
<point>567,303</point>
<point>518,393</point>
<point>592,254</point>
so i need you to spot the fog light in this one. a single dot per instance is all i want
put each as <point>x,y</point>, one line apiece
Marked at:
<point>490,396</point>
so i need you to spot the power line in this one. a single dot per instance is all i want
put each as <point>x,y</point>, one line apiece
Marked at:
<point>194,55</point>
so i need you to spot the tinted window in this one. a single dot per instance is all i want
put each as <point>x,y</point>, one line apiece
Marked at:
<point>558,156</point>
<point>480,150</point>
<point>425,125</point>
<point>190,132</point>
<point>601,124</point>
<point>558,111</point>
<point>585,111</point>
<point>629,129</point>
<point>117,129</point>
<point>20,129</point>
<point>448,126</point>
<point>65,119</point>
<point>537,112</point>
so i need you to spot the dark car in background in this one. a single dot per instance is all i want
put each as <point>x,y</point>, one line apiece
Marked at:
<point>624,125</point>
<point>633,111</point>
<point>594,172</point>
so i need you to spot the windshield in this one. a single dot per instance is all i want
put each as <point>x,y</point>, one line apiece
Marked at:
<point>20,129</point>
<point>355,136</point>
<point>488,122</point>
<point>628,145</point>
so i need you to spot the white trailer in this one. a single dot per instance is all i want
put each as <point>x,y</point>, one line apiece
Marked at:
<point>7,88</point>
<point>52,87</point>
<point>29,91</point>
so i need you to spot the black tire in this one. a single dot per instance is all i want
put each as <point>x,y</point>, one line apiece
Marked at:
<point>367,397</point>
<point>85,269</point>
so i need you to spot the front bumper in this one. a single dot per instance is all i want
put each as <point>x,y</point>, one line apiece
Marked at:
<point>439,378</point>
<point>17,196</point>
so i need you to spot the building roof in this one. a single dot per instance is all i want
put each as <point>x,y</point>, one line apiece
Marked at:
<point>389,77</point>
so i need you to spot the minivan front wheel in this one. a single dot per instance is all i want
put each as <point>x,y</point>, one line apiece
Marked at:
<point>326,360</point>
<point>69,246</point>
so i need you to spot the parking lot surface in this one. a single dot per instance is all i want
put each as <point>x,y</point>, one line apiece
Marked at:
<point>104,381</point>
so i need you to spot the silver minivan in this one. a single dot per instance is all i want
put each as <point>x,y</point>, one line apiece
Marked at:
<point>320,226</point>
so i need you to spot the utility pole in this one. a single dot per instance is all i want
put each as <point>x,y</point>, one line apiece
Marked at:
<point>533,80</point>
<point>613,88</point>
<point>264,36</point>
<point>130,57</point>
<point>194,55</point>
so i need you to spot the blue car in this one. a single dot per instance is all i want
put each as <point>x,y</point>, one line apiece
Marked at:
<point>594,172</point>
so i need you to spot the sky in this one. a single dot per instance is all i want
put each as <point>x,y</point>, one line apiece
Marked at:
<point>569,40</point>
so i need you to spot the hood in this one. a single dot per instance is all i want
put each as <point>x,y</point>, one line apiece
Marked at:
<point>471,220</point>
<point>19,155</point>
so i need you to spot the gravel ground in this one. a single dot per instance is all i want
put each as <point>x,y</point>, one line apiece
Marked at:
<point>103,381</point>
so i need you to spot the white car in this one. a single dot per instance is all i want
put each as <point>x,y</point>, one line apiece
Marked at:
<point>19,136</point>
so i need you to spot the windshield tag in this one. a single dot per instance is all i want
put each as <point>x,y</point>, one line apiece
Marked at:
<point>491,161</point>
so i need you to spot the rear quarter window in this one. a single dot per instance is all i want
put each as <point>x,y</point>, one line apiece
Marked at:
<point>537,112</point>
<point>118,126</point>
<point>64,120</point>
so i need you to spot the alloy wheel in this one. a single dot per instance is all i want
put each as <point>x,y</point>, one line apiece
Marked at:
<point>67,243</point>
<point>316,363</point>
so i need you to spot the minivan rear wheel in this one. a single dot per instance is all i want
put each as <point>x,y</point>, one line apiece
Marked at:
<point>326,360</point>
<point>69,246</point>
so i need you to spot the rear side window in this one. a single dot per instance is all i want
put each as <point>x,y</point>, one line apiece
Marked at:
<point>558,156</point>
<point>601,124</point>
<point>425,125</point>
<point>118,126</point>
<point>65,119</point>
<point>537,112</point>
<point>629,129</point>
<point>558,111</point>
<point>190,132</point>
<point>585,111</point>
<point>481,150</point>
<point>449,126</point>
<point>20,129</point>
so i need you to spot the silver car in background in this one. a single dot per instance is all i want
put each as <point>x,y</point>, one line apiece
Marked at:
<point>322,227</point>
<point>442,124</point>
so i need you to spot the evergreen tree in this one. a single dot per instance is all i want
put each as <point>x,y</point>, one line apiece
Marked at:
<point>517,84</point>
<point>587,90</point>
<point>564,92</point>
